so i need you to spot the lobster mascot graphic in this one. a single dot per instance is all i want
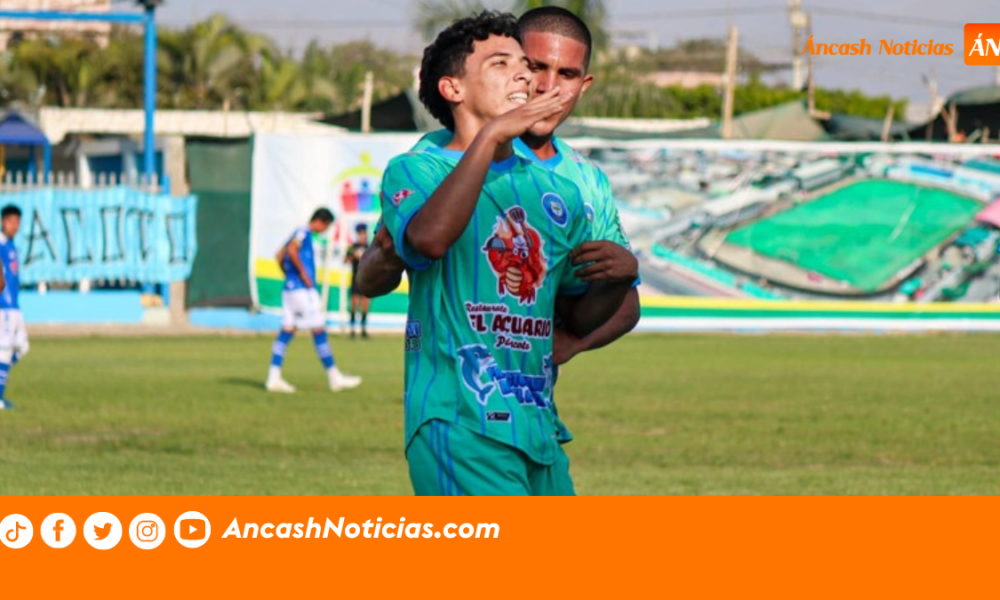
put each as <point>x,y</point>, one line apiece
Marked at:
<point>515,253</point>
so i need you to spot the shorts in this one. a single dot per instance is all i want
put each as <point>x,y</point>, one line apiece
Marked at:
<point>13,335</point>
<point>451,460</point>
<point>301,309</point>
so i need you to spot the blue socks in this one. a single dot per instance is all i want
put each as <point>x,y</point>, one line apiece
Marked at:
<point>280,347</point>
<point>323,350</point>
<point>4,372</point>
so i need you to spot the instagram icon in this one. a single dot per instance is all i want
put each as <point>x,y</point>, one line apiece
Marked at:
<point>147,531</point>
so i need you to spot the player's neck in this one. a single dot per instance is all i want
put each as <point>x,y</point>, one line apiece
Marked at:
<point>542,146</point>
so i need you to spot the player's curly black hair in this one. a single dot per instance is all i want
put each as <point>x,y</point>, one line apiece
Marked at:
<point>445,57</point>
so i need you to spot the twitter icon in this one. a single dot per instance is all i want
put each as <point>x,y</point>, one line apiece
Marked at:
<point>102,531</point>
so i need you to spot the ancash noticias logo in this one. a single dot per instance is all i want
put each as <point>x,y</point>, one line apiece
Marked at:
<point>982,44</point>
<point>889,47</point>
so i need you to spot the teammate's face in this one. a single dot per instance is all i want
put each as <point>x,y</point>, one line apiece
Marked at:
<point>556,61</point>
<point>496,79</point>
<point>10,225</point>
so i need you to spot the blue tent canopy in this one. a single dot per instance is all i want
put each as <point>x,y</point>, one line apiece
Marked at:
<point>16,130</point>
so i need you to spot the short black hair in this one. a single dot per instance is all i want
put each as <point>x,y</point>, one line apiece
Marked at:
<point>557,20</point>
<point>322,214</point>
<point>9,210</point>
<point>445,57</point>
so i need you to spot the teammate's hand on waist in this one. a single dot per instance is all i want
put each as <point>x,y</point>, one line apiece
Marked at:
<point>515,122</point>
<point>565,346</point>
<point>608,262</point>
<point>383,239</point>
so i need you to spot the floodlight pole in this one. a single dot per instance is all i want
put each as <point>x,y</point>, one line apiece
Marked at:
<point>148,20</point>
<point>149,95</point>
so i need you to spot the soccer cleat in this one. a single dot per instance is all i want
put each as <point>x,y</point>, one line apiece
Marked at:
<point>5,404</point>
<point>277,384</point>
<point>339,381</point>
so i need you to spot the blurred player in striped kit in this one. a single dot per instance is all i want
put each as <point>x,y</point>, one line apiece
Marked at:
<point>13,335</point>
<point>301,306</point>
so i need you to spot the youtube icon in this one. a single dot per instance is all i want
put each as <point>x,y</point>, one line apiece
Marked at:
<point>192,529</point>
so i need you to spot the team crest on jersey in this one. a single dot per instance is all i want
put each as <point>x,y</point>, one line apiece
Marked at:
<point>515,253</point>
<point>555,207</point>
<point>400,196</point>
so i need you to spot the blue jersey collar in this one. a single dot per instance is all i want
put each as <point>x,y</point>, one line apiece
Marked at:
<point>550,163</point>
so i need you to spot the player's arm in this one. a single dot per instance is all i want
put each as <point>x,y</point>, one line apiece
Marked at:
<point>447,212</point>
<point>3,280</point>
<point>292,248</point>
<point>381,269</point>
<point>280,257</point>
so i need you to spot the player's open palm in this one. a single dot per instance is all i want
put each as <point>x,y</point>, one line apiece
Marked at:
<point>514,123</point>
<point>608,261</point>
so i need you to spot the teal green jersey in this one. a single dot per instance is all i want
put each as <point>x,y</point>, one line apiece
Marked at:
<point>479,329</point>
<point>598,197</point>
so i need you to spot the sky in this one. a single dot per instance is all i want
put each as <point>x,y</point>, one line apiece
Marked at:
<point>763,28</point>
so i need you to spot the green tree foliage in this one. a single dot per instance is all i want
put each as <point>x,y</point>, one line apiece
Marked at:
<point>211,65</point>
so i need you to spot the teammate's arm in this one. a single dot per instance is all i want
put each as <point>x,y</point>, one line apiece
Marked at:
<point>447,212</point>
<point>381,269</point>
<point>292,248</point>
<point>583,315</point>
<point>566,345</point>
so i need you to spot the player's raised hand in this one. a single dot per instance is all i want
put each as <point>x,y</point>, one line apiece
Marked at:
<point>515,122</point>
<point>609,262</point>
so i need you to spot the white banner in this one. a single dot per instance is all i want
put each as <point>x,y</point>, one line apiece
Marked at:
<point>293,175</point>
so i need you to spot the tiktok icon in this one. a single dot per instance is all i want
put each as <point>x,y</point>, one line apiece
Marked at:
<point>16,531</point>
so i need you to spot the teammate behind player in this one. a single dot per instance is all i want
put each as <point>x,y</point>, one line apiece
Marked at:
<point>300,305</point>
<point>487,236</point>
<point>13,335</point>
<point>358,300</point>
<point>558,46</point>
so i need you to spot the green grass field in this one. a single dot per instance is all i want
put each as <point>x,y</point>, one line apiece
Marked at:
<point>863,233</point>
<point>651,414</point>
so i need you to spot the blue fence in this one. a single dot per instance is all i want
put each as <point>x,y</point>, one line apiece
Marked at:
<point>111,233</point>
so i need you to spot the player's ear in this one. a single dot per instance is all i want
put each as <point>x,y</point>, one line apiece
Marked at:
<point>587,80</point>
<point>450,89</point>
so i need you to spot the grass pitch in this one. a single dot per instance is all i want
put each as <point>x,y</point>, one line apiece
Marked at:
<point>863,233</point>
<point>651,414</point>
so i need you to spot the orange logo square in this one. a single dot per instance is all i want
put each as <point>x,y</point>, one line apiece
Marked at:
<point>982,44</point>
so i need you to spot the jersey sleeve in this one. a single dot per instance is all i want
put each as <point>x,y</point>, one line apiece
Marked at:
<point>607,225</point>
<point>578,231</point>
<point>407,184</point>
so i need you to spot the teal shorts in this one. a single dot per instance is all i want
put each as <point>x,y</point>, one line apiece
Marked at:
<point>451,460</point>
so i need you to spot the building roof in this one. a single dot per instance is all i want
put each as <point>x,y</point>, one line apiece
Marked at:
<point>57,123</point>
<point>18,130</point>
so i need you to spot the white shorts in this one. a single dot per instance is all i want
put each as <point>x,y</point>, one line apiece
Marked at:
<point>13,335</point>
<point>301,309</point>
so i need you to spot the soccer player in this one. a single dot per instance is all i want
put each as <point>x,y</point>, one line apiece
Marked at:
<point>13,335</point>
<point>358,300</point>
<point>300,305</point>
<point>487,236</point>
<point>558,45</point>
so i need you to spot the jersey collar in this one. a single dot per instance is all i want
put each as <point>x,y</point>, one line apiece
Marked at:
<point>502,166</point>
<point>550,163</point>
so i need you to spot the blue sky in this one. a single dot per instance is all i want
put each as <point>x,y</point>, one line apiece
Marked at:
<point>763,25</point>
